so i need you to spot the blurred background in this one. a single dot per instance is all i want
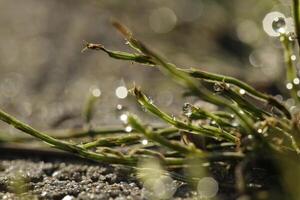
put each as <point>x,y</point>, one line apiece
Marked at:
<point>44,76</point>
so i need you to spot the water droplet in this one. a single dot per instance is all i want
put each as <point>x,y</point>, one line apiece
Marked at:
<point>279,25</point>
<point>242,91</point>
<point>235,124</point>
<point>144,108</point>
<point>144,142</point>
<point>121,113</point>
<point>274,24</point>
<point>150,100</point>
<point>213,122</point>
<point>174,118</point>
<point>232,116</point>
<point>289,86</point>
<point>296,81</point>
<point>96,92</point>
<point>241,112</point>
<point>119,106</point>
<point>282,39</point>
<point>218,87</point>
<point>124,118</point>
<point>187,109</point>
<point>128,129</point>
<point>121,92</point>
<point>259,130</point>
<point>293,57</point>
<point>292,36</point>
<point>250,137</point>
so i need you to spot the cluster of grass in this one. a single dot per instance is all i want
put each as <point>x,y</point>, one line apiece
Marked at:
<point>248,129</point>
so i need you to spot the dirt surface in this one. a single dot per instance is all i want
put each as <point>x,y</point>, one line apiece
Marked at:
<point>73,178</point>
<point>61,180</point>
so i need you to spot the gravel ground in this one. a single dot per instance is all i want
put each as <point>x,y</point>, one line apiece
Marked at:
<point>71,180</point>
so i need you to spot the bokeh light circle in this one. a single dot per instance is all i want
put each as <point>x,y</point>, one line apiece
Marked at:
<point>208,187</point>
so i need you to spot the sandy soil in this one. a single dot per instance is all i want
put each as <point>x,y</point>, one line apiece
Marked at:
<point>45,178</point>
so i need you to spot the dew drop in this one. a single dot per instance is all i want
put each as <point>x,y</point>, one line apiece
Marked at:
<point>259,130</point>
<point>235,124</point>
<point>282,39</point>
<point>119,107</point>
<point>121,92</point>
<point>289,86</point>
<point>296,81</point>
<point>293,57</point>
<point>174,118</point>
<point>187,109</point>
<point>144,142</point>
<point>217,87</point>
<point>96,92</point>
<point>150,100</point>
<point>121,113</point>
<point>124,118</point>
<point>271,26</point>
<point>250,137</point>
<point>144,108</point>
<point>128,129</point>
<point>279,25</point>
<point>242,91</point>
<point>291,36</point>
